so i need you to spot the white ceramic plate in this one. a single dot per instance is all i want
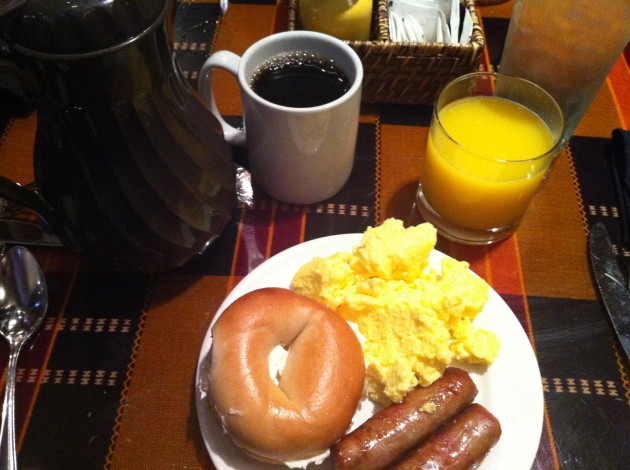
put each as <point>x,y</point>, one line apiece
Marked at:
<point>511,388</point>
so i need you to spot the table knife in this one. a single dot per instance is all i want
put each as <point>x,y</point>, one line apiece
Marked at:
<point>611,283</point>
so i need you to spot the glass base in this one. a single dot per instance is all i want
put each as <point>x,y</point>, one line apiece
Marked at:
<point>456,233</point>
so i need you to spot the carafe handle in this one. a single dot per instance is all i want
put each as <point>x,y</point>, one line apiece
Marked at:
<point>18,194</point>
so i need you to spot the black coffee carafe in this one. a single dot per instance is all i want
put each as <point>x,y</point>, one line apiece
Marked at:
<point>131,168</point>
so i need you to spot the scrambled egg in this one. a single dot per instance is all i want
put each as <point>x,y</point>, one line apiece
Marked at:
<point>414,320</point>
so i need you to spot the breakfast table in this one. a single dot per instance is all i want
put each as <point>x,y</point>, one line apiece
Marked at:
<point>109,379</point>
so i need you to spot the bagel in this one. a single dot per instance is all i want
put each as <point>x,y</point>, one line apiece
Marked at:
<point>318,392</point>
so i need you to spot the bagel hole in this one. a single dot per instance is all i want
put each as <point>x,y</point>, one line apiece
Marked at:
<point>277,361</point>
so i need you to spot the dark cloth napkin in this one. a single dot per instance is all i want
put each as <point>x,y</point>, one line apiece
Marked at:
<point>620,150</point>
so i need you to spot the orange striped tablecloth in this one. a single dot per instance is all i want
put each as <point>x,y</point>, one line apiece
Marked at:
<point>109,381</point>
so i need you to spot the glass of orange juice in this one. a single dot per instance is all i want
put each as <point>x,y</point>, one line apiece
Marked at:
<point>491,141</point>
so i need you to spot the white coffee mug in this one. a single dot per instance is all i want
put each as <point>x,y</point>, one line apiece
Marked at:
<point>296,155</point>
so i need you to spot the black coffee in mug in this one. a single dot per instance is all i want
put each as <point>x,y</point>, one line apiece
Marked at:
<point>299,80</point>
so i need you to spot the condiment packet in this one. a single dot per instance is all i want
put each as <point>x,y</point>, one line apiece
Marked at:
<point>415,32</point>
<point>393,26</point>
<point>429,21</point>
<point>443,32</point>
<point>405,28</point>
<point>451,10</point>
<point>467,28</point>
<point>425,15</point>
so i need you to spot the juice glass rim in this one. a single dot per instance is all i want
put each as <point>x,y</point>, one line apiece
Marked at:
<point>558,141</point>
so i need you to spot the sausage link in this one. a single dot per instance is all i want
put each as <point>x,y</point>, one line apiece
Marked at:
<point>394,430</point>
<point>458,445</point>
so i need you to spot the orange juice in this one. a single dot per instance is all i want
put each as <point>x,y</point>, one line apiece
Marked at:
<point>483,174</point>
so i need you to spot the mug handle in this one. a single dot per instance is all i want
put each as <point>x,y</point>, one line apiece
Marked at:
<point>229,62</point>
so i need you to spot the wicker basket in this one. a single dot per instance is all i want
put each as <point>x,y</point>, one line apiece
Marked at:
<point>408,72</point>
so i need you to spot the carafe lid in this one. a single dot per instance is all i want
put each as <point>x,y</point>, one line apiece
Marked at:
<point>75,26</point>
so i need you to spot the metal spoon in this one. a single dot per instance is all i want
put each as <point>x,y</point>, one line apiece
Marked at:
<point>23,303</point>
